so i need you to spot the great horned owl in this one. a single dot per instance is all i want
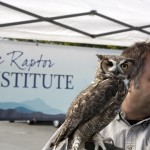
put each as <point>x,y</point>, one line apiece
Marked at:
<point>97,105</point>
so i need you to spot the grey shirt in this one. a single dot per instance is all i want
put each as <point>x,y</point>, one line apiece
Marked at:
<point>124,136</point>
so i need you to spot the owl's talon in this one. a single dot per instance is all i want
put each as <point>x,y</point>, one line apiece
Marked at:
<point>108,140</point>
<point>76,143</point>
<point>99,141</point>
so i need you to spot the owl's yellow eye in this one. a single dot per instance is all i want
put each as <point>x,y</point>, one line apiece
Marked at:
<point>124,66</point>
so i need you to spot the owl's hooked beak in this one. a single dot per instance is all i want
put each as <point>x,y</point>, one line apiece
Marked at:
<point>119,74</point>
<point>117,71</point>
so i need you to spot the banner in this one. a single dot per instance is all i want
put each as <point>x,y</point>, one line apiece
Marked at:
<point>39,81</point>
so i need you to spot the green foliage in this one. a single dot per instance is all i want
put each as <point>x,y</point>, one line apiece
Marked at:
<point>73,44</point>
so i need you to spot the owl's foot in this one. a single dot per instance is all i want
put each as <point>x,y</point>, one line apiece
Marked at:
<point>76,143</point>
<point>99,141</point>
<point>108,140</point>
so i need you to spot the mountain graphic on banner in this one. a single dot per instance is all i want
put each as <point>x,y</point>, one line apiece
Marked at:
<point>41,106</point>
<point>36,105</point>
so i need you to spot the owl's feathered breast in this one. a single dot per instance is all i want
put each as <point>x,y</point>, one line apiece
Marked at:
<point>93,100</point>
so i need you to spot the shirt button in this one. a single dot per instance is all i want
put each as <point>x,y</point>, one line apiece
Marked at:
<point>131,130</point>
<point>129,147</point>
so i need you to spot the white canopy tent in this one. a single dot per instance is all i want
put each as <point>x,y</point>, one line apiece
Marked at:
<point>108,22</point>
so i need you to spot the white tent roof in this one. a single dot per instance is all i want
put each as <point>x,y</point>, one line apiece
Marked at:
<point>108,22</point>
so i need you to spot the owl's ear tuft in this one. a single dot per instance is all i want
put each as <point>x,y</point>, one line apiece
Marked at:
<point>100,56</point>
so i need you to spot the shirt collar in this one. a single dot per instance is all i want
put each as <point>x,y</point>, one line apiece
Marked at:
<point>122,116</point>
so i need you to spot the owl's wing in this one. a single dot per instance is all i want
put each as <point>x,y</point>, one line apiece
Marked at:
<point>97,123</point>
<point>93,100</point>
<point>90,102</point>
